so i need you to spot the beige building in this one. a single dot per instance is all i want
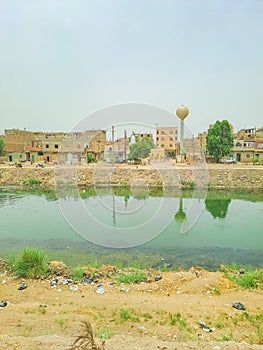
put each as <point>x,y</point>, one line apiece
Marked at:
<point>15,142</point>
<point>248,146</point>
<point>201,138</point>
<point>167,139</point>
<point>157,154</point>
<point>22,145</point>
<point>140,137</point>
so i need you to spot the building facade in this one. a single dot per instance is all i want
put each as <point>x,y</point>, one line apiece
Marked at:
<point>167,139</point>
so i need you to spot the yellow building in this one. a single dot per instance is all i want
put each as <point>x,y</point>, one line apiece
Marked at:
<point>167,139</point>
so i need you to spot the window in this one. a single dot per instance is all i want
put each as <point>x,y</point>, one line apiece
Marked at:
<point>162,145</point>
<point>170,132</point>
<point>162,139</point>
<point>170,145</point>
<point>157,138</point>
<point>40,153</point>
<point>162,132</point>
<point>171,139</point>
<point>47,146</point>
<point>55,146</point>
<point>157,132</point>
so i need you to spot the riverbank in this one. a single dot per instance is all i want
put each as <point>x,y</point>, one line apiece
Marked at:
<point>162,312</point>
<point>212,176</point>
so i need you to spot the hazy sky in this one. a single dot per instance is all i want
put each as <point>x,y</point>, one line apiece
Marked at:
<point>62,60</point>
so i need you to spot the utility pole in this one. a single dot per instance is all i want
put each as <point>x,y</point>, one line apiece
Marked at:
<point>112,133</point>
<point>125,146</point>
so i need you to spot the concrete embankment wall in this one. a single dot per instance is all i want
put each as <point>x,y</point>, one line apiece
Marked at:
<point>232,177</point>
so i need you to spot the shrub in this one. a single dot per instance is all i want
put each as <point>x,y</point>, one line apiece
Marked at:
<point>32,181</point>
<point>77,274</point>
<point>133,277</point>
<point>249,279</point>
<point>31,263</point>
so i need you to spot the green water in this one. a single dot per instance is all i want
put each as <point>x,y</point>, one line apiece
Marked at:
<point>176,228</point>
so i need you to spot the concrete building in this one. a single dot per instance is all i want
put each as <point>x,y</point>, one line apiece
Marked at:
<point>248,146</point>
<point>15,142</point>
<point>140,137</point>
<point>157,154</point>
<point>118,151</point>
<point>167,139</point>
<point>22,145</point>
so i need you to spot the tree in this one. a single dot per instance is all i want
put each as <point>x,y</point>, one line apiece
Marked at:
<point>217,207</point>
<point>219,140</point>
<point>140,149</point>
<point>2,146</point>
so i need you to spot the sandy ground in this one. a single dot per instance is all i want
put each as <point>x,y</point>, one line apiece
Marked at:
<point>162,314</point>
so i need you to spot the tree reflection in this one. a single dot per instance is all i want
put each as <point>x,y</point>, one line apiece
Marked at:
<point>180,215</point>
<point>217,207</point>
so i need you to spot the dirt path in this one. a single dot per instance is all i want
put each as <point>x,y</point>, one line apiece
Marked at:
<point>162,314</point>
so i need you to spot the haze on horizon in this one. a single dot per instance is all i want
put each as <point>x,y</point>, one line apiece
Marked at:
<point>63,60</point>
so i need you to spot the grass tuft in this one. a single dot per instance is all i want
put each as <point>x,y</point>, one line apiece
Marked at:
<point>133,277</point>
<point>250,278</point>
<point>77,274</point>
<point>31,263</point>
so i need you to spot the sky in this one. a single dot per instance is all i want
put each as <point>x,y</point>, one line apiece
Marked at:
<point>62,62</point>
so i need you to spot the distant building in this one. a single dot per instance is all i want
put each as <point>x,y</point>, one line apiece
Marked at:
<point>248,146</point>
<point>140,137</point>
<point>22,145</point>
<point>157,154</point>
<point>117,152</point>
<point>15,142</point>
<point>167,139</point>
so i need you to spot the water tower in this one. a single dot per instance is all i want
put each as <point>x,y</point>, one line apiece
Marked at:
<point>182,112</point>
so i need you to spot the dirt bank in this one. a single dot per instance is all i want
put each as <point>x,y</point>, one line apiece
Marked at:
<point>215,176</point>
<point>163,314</point>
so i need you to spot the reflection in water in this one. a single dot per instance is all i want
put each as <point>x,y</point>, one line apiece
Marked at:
<point>229,242</point>
<point>180,215</point>
<point>217,207</point>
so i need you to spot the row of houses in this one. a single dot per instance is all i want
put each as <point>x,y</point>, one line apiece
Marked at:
<point>248,145</point>
<point>23,145</point>
<point>59,147</point>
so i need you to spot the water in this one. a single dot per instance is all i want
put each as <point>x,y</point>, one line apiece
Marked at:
<point>150,229</point>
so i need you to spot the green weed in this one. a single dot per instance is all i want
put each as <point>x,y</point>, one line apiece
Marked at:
<point>32,181</point>
<point>77,274</point>
<point>128,314</point>
<point>249,279</point>
<point>104,333</point>
<point>133,277</point>
<point>59,322</point>
<point>31,263</point>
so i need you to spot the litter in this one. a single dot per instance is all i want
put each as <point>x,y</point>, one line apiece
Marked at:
<point>158,278</point>
<point>239,306</point>
<point>3,304</point>
<point>22,286</point>
<point>66,281</point>
<point>205,327</point>
<point>54,282</point>
<point>74,288</point>
<point>100,290</point>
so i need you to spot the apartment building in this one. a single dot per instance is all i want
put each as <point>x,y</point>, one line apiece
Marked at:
<point>248,146</point>
<point>167,139</point>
